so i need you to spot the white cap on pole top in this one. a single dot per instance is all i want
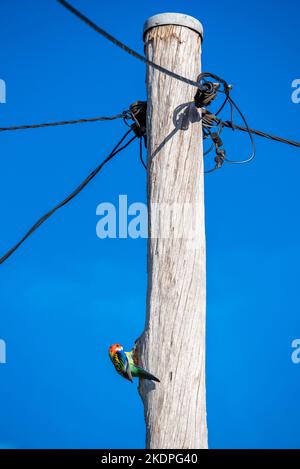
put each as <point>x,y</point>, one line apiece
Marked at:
<point>173,18</point>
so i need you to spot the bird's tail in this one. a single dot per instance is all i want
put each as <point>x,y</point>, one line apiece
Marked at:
<point>144,374</point>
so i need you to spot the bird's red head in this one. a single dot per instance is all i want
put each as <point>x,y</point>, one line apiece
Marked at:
<point>114,349</point>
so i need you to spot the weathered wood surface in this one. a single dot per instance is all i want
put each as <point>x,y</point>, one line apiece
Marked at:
<point>172,346</point>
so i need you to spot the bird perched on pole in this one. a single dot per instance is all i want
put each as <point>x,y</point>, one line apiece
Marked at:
<point>126,364</point>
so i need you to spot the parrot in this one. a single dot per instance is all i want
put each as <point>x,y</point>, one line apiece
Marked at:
<point>126,364</point>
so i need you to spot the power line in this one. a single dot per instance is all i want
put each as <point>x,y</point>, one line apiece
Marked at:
<point>124,47</point>
<point>261,134</point>
<point>210,120</point>
<point>53,124</point>
<point>141,154</point>
<point>71,196</point>
<point>135,54</point>
<point>197,84</point>
<point>206,93</point>
<point>204,97</point>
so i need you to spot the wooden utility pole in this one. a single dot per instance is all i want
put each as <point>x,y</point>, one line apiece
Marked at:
<point>173,344</point>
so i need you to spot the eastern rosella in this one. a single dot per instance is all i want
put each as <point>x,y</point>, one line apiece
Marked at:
<point>126,364</point>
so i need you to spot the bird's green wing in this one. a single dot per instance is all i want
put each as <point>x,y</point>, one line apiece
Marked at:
<point>122,365</point>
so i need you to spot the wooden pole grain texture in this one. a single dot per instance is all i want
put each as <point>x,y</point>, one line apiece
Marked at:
<point>172,346</point>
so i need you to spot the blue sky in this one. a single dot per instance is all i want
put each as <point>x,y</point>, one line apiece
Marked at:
<point>67,295</point>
